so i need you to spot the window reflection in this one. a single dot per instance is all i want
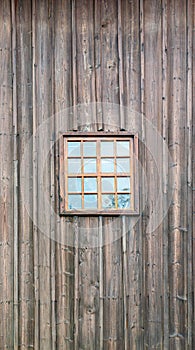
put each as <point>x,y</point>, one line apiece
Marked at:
<point>90,166</point>
<point>74,201</point>
<point>108,201</point>
<point>74,149</point>
<point>90,184</point>
<point>107,165</point>
<point>107,184</point>
<point>90,201</point>
<point>74,166</point>
<point>123,184</point>
<point>123,201</point>
<point>122,148</point>
<point>74,184</point>
<point>123,165</point>
<point>89,149</point>
<point>107,148</point>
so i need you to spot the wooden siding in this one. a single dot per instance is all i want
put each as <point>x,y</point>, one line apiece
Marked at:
<point>136,291</point>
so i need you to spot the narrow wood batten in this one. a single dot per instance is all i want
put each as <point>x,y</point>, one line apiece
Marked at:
<point>24,70</point>
<point>165,176</point>
<point>8,220</point>
<point>193,172</point>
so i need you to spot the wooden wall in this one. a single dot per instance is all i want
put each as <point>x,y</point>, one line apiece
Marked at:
<point>136,292</point>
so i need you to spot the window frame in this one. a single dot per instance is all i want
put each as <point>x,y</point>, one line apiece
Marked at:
<point>78,136</point>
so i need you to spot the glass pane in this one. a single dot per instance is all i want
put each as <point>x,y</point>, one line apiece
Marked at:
<point>108,201</point>
<point>123,165</point>
<point>123,184</point>
<point>74,149</point>
<point>90,201</point>
<point>123,201</point>
<point>74,166</point>
<point>107,184</point>
<point>107,148</point>
<point>74,201</point>
<point>122,148</point>
<point>89,149</point>
<point>90,184</point>
<point>107,165</point>
<point>90,166</point>
<point>74,184</point>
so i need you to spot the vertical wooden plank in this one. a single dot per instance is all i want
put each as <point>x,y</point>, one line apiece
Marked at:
<point>125,282</point>
<point>109,62</point>
<point>24,107</point>
<point>142,157</point>
<point>165,176</point>
<point>65,276</point>
<point>85,65</point>
<point>35,184</point>
<point>113,285</point>
<point>6,179</point>
<point>177,135</point>
<point>15,175</point>
<point>153,105</point>
<point>189,145</point>
<point>121,70</point>
<point>101,279</point>
<point>133,71</point>
<point>53,187</point>
<point>193,170</point>
<point>98,63</point>
<point>133,285</point>
<point>76,285</point>
<point>64,98</point>
<point>86,256</point>
<point>113,335</point>
<point>88,285</point>
<point>74,64</point>
<point>131,31</point>
<point>44,80</point>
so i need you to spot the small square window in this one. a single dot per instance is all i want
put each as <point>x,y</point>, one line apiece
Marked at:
<point>98,174</point>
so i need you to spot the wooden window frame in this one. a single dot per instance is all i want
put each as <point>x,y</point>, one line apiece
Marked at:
<point>92,136</point>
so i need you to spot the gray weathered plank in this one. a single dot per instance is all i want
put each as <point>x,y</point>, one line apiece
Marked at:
<point>6,179</point>
<point>153,107</point>
<point>177,218</point>
<point>44,80</point>
<point>25,246</point>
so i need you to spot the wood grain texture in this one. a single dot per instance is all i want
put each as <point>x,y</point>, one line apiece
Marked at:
<point>165,176</point>
<point>44,80</point>
<point>25,244</point>
<point>136,289</point>
<point>177,135</point>
<point>193,170</point>
<point>189,175</point>
<point>6,179</point>
<point>64,70</point>
<point>153,240</point>
<point>35,186</point>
